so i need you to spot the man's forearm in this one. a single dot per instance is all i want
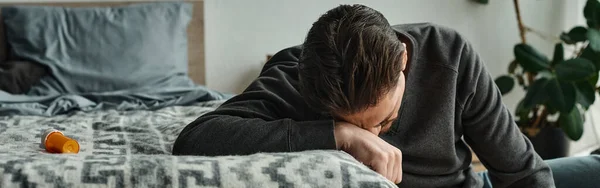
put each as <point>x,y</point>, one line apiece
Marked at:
<point>229,135</point>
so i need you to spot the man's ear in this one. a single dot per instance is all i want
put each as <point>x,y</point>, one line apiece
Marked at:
<point>404,59</point>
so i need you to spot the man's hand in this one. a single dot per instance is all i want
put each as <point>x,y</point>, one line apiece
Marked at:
<point>370,150</point>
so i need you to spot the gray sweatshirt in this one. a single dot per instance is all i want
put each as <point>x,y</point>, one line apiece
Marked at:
<point>450,102</point>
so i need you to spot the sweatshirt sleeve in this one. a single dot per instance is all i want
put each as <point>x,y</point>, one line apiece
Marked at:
<point>269,116</point>
<point>492,133</point>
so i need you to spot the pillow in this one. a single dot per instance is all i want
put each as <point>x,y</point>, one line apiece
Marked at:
<point>102,49</point>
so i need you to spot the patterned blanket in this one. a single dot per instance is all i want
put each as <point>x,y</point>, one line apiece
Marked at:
<point>133,149</point>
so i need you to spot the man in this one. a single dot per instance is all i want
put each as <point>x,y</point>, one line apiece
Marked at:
<point>405,100</point>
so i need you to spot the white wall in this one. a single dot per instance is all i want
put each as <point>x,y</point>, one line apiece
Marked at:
<point>240,33</point>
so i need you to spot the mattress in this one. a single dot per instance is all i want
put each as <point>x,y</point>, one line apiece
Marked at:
<point>133,149</point>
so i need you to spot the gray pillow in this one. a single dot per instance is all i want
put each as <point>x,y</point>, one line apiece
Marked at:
<point>100,49</point>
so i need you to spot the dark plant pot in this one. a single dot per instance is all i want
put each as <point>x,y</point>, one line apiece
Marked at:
<point>551,143</point>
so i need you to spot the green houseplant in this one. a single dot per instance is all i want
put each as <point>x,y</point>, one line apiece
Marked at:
<point>560,89</point>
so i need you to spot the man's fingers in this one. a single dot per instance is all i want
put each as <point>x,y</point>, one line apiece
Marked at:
<point>391,165</point>
<point>397,174</point>
<point>396,171</point>
<point>380,165</point>
<point>398,166</point>
<point>373,151</point>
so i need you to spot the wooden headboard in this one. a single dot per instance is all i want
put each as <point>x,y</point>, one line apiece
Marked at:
<point>195,31</point>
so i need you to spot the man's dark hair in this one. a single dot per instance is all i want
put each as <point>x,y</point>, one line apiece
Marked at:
<point>350,59</point>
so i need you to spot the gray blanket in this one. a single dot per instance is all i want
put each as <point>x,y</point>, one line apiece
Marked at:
<point>133,149</point>
<point>50,103</point>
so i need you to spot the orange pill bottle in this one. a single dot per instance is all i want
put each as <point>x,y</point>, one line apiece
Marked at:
<point>54,141</point>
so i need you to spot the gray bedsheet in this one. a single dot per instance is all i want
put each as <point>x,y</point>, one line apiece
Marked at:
<point>133,149</point>
<point>42,102</point>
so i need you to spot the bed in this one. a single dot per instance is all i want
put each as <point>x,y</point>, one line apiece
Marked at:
<point>126,123</point>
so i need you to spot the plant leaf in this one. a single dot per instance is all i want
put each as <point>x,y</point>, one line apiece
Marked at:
<point>512,67</point>
<point>593,36</point>
<point>561,95</point>
<point>482,1</point>
<point>566,39</point>
<point>551,109</point>
<point>585,94</point>
<point>572,124</point>
<point>559,54</point>
<point>536,93</point>
<point>590,12</point>
<point>596,18</point>
<point>575,69</point>
<point>530,59</point>
<point>593,80</point>
<point>594,57</point>
<point>589,9</point>
<point>578,34</point>
<point>505,84</point>
<point>522,112</point>
<point>545,74</point>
